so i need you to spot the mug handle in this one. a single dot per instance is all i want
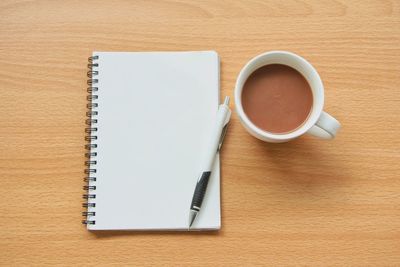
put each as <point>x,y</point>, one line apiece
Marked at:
<point>326,127</point>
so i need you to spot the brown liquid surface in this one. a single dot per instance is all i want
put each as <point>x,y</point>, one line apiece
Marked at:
<point>277,98</point>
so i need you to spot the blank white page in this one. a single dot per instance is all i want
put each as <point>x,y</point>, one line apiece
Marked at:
<point>155,113</point>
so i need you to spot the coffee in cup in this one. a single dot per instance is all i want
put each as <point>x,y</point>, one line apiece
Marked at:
<point>277,98</point>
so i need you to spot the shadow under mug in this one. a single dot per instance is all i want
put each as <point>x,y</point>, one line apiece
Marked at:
<point>319,123</point>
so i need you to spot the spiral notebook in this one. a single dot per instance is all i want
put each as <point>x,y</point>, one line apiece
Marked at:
<point>150,114</point>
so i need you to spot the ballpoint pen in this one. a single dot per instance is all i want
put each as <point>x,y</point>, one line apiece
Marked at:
<point>214,145</point>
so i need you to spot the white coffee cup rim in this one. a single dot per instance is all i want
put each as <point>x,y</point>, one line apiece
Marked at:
<point>317,101</point>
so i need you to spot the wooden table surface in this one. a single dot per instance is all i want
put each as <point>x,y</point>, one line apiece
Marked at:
<point>306,202</point>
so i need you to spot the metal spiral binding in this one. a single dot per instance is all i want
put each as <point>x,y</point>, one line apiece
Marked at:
<point>90,138</point>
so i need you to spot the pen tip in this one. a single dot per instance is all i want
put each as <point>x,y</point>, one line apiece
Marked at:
<point>192,217</point>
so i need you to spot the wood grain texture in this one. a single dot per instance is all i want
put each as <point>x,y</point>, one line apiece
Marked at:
<point>307,202</point>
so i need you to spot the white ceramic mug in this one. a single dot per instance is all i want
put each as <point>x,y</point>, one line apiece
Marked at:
<point>319,123</point>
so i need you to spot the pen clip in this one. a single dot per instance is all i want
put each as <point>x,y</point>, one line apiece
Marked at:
<point>221,139</point>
